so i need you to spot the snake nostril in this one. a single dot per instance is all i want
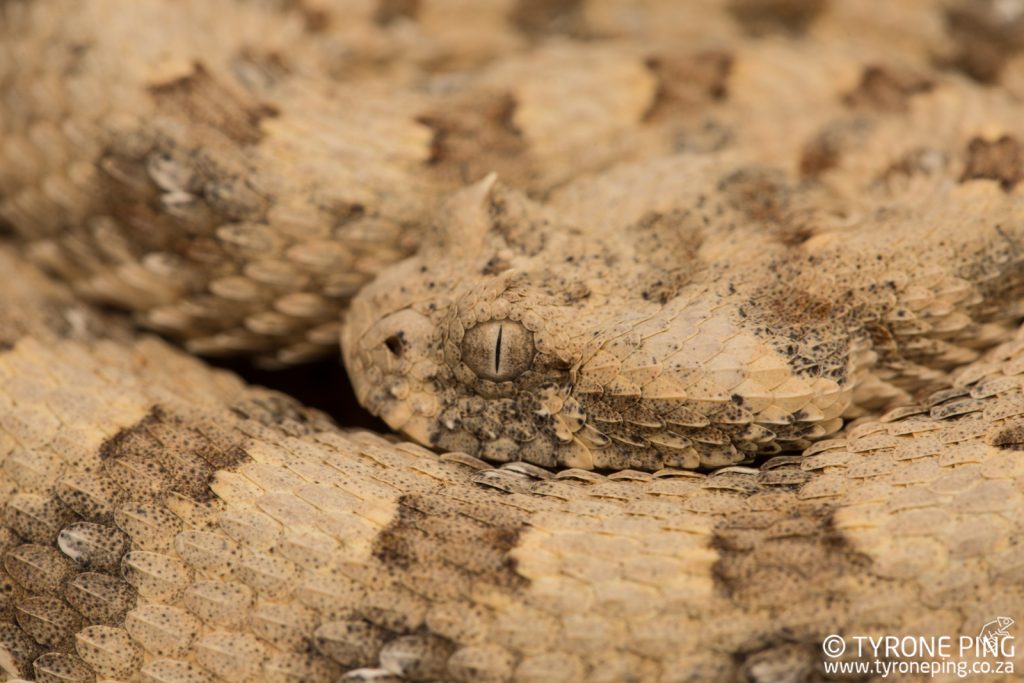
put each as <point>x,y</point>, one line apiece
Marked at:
<point>395,344</point>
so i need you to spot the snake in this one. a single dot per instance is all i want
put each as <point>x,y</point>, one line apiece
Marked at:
<point>695,325</point>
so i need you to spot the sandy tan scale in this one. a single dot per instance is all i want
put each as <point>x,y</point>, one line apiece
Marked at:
<point>397,564</point>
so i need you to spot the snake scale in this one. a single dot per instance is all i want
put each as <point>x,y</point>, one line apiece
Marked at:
<point>703,315</point>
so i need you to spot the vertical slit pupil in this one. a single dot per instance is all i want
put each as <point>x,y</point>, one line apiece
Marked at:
<point>497,350</point>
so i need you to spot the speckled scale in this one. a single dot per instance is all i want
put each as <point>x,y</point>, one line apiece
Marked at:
<point>351,643</point>
<point>207,553</point>
<point>288,667</point>
<point>17,649</point>
<point>100,598</point>
<point>250,528</point>
<point>185,471</point>
<point>37,568</point>
<point>233,656</point>
<point>174,671</point>
<point>192,513</point>
<point>56,667</point>
<point>49,620</point>
<point>270,477</point>
<point>268,575</point>
<point>92,545</point>
<point>150,526</point>
<point>143,477</point>
<point>30,469</point>
<point>483,663</point>
<point>155,576</point>
<point>36,518</point>
<point>394,608</point>
<point>218,602</point>
<point>308,548</point>
<point>285,625</point>
<point>8,539</point>
<point>92,496</point>
<point>109,651</point>
<point>459,621</point>
<point>163,630</point>
<point>329,594</point>
<point>9,590</point>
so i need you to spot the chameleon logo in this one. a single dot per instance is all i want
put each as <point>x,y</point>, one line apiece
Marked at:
<point>992,633</point>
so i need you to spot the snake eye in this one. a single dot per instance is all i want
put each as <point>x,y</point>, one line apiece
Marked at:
<point>498,350</point>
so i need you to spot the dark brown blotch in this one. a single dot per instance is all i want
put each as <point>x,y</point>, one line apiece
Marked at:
<point>539,18</point>
<point>444,534</point>
<point>391,11</point>
<point>985,38</point>
<point>886,89</point>
<point>204,101</point>
<point>794,307</point>
<point>688,83</point>
<point>1001,160</point>
<point>770,560</point>
<point>1008,437</point>
<point>809,325</point>
<point>165,453</point>
<point>473,135</point>
<point>759,193</point>
<point>917,162</point>
<point>314,17</point>
<point>668,244</point>
<point>825,150</point>
<point>764,17</point>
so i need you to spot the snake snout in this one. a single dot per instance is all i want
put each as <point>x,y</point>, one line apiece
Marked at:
<point>388,360</point>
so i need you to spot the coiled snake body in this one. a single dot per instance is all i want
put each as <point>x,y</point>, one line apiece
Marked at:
<point>707,312</point>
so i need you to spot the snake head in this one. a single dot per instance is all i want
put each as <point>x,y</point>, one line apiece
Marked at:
<point>459,346</point>
<point>514,335</point>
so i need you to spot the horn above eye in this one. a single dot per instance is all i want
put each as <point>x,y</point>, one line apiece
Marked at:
<point>498,350</point>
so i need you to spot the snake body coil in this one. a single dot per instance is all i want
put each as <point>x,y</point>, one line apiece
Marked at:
<point>705,311</point>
